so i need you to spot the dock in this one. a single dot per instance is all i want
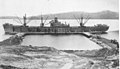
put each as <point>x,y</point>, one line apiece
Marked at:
<point>50,33</point>
<point>105,43</point>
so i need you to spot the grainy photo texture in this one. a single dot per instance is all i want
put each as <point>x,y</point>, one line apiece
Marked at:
<point>59,34</point>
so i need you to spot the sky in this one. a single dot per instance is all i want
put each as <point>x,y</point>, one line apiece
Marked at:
<point>38,7</point>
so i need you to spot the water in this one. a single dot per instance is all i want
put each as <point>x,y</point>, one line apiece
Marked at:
<point>111,35</point>
<point>61,41</point>
<point>65,41</point>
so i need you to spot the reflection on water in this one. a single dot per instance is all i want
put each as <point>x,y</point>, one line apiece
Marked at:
<point>61,41</point>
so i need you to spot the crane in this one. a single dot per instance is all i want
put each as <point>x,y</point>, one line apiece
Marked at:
<point>24,22</point>
<point>82,20</point>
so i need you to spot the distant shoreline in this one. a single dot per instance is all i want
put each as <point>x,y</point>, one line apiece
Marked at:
<point>107,14</point>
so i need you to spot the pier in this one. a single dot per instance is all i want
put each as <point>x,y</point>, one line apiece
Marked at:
<point>58,33</point>
<point>87,34</point>
<point>103,42</point>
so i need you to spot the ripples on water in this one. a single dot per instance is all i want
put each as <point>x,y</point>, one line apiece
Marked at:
<point>65,41</point>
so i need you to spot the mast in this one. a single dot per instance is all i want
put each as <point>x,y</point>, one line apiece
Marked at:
<point>41,24</point>
<point>81,23</point>
<point>24,19</point>
<point>41,19</point>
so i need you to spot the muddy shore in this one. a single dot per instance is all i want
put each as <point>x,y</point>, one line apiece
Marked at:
<point>16,56</point>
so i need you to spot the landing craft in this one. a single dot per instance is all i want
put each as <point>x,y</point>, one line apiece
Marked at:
<point>56,27</point>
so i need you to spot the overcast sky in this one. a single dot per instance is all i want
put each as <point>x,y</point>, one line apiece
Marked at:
<point>36,7</point>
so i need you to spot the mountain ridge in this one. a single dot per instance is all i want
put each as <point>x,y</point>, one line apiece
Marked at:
<point>106,14</point>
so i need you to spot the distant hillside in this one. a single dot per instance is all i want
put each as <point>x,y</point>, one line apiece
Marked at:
<point>8,17</point>
<point>70,15</point>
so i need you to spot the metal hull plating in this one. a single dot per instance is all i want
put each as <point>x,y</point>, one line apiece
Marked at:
<point>12,29</point>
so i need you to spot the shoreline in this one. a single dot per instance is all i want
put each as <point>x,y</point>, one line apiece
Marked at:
<point>14,55</point>
<point>103,42</point>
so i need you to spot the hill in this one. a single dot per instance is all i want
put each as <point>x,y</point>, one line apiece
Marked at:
<point>70,15</point>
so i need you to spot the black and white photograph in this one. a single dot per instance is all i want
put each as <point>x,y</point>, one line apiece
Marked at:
<point>59,34</point>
